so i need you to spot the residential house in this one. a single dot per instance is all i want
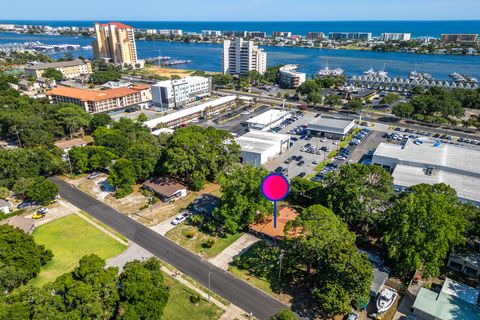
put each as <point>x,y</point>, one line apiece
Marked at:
<point>168,190</point>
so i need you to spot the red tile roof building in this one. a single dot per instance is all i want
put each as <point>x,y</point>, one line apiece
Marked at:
<point>94,101</point>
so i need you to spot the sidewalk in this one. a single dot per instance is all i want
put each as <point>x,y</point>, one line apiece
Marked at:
<point>224,258</point>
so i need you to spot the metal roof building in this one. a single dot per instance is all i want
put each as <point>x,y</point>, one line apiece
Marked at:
<point>267,119</point>
<point>259,146</point>
<point>185,116</point>
<point>429,161</point>
<point>331,127</point>
<point>455,301</point>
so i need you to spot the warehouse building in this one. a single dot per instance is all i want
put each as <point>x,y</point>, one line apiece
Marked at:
<point>259,147</point>
<point>430,161</point>
<point>331,128</point>
<point>268,119</point>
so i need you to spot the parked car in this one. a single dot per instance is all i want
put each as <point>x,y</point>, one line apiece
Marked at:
<point>301,175</point>
<point>301,163</point>
<point>24,204</point>
<point>288,160</point>
<point>94,175</point>
<point>180,218</point>
<point>317,161</point>
<point>42,210</point>
<point>299,158</point>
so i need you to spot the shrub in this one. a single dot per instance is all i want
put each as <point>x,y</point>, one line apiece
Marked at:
<point>190,234</point>
<point>210,242</point>
<point>195,298</point>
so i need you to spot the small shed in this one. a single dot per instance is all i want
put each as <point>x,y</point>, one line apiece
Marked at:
<point>4,206</point>
<point>166,189</point>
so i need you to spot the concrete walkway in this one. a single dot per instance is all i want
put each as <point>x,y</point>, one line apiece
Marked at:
<point>99,227</point>
<point>224,258</point>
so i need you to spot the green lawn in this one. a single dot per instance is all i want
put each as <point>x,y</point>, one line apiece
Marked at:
<point>179,306</point>
<point>197,243</point>
<point>70,238</point>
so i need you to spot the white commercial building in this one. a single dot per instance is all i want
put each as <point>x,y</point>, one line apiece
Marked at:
<point>330,127</point>
<point>211,33</point>
<point>259,147</point>
<point>177,93</point>
<point>240,57</point>
<point>186,116</point>
<point>395,36</point>
<point>430,161</point>
<point>268,119</point>
<point>290,77</point>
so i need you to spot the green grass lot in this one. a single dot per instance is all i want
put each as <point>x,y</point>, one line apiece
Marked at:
<point>179,306</point>
<point>197,243</point>
<point>70,238</point>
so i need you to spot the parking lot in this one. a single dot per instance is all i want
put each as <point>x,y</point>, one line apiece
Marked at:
<point>311,150</point>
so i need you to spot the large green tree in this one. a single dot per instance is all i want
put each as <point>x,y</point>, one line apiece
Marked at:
<point>425,223</point>
<point>20,258</point>
<point>319,245</point>
<point>241,202</point>
<point>122,176</point>
<point>359,194</point>
<point>53,73</point>
<point>198,155</point>
<point>143,292</point>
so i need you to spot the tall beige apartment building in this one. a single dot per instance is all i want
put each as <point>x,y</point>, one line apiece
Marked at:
<point>240,57</point>
<point>115,41</point>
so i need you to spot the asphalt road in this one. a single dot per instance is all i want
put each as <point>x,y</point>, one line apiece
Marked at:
<point>222,282</point>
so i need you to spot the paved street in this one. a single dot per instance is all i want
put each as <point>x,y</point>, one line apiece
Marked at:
<point>223,283</point>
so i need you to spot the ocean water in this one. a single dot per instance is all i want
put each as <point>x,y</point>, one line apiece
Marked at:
<point>416,28</point>
<point>310,60</point>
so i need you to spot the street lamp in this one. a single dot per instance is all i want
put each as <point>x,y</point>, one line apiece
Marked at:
<point>209,273</point>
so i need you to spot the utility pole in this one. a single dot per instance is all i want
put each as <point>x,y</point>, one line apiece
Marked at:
<point>70,165</point>
<point>280,265</point>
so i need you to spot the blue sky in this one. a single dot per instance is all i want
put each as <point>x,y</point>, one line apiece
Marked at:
<point>240,10</point>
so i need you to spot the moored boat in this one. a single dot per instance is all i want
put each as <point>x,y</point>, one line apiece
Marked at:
<point>386,299</point>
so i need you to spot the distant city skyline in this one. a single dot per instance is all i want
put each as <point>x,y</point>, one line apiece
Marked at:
<point>242,10</point>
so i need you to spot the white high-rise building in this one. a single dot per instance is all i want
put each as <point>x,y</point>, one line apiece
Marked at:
<point>240,57</point>
<point>395,36</point>
<point>177,93</point>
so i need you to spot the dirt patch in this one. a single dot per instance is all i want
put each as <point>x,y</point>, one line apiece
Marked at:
<point>168,72</point>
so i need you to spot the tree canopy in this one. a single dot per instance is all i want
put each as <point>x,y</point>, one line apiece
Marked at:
<point>241,202</point>
<point>92,291</point>
<point>425,223</point>
<point>20,258</point>
<point>197,155</point>
<point>358,194</point>
<point>320,245</point>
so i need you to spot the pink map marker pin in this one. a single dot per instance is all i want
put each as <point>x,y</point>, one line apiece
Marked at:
<point>275,187</point>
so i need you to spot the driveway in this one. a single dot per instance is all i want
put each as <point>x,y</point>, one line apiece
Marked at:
<point>164,226</point>
<point>224,258</point>
<point>133,252</point>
